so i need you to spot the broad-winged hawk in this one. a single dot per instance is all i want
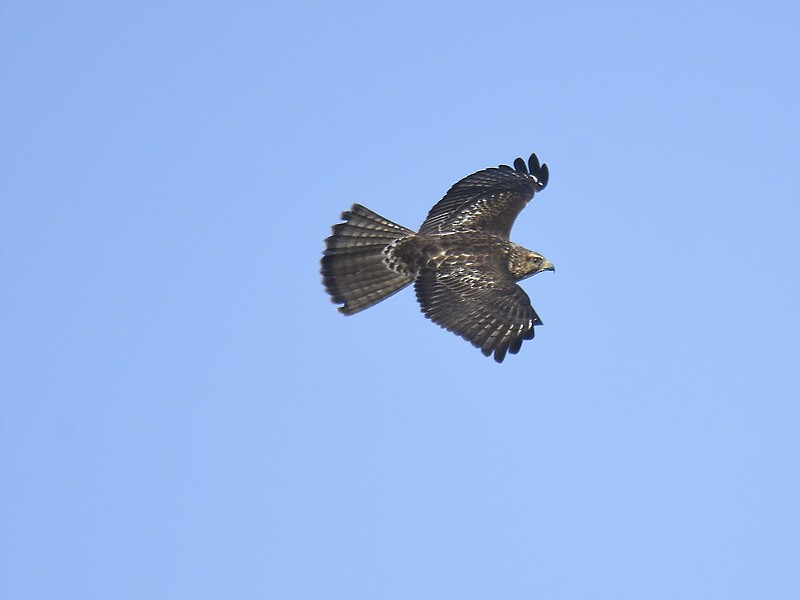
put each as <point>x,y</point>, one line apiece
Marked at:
<point>463,266</point>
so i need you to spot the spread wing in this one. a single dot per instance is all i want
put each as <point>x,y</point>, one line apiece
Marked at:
<point>474,297</point>
<point>488,200</point>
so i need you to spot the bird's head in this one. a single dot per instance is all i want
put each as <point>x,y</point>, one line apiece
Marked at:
<point>527,263</point>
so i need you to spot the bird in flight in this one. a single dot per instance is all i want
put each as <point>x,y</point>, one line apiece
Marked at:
<point>461,262</point>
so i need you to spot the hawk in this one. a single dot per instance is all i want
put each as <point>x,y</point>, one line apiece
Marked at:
<point>463,266</point>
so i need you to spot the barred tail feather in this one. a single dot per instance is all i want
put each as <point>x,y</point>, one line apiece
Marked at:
<point>354,270</point>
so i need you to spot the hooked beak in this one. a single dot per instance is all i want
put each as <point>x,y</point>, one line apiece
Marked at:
<point>548,266</point>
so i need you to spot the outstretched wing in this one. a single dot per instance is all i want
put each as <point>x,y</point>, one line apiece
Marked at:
<point>474,297</point>
<point>488,200</point>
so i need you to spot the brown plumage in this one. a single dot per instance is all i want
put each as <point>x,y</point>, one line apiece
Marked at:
<point>463,266</point>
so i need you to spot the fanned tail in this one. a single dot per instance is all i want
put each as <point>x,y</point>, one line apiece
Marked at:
<point>354,267</point>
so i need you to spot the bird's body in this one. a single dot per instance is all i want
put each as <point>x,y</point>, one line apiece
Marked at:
<point>462,264</point>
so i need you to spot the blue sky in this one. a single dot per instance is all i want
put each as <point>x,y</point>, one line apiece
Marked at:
<point>186,415</point>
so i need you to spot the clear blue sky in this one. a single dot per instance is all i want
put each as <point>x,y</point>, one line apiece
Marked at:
<point>186,415</point>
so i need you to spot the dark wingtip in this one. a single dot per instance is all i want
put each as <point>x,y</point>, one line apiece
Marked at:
<point>533,164</point>
<point>538,170</point>
<point>534,168</point>
<point>544,176</point>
